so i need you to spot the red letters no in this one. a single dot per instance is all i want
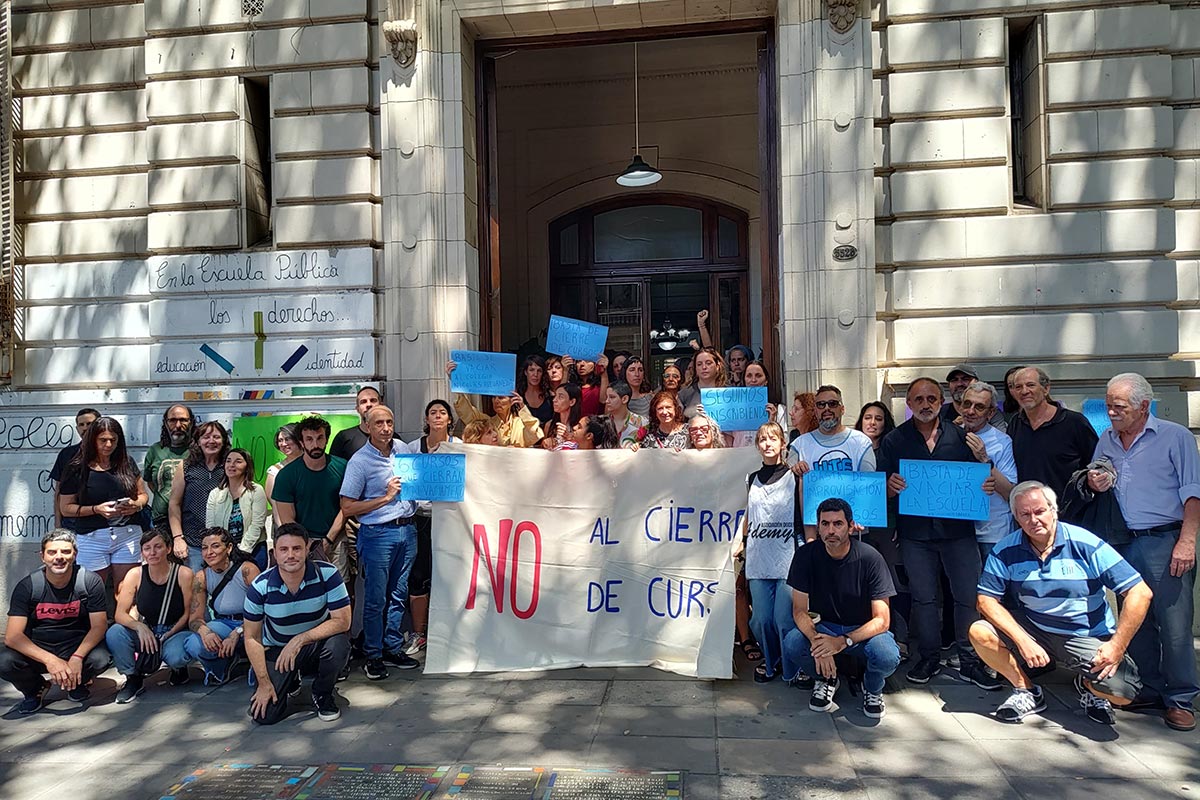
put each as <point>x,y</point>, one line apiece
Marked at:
<point>497,570</point>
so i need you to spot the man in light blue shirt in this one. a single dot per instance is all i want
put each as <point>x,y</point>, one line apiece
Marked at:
<point>1158,489</point>
<point>387,543</point>
<point>993,447</point>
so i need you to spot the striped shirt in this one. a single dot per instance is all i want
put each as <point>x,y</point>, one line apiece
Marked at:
<point>1065,593</point>
<point>285,615</point>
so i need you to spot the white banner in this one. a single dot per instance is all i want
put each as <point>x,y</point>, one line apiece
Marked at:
<point>603,558</point>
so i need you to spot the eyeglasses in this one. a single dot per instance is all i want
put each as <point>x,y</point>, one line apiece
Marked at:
<point>827,403</point>
<point>699,432</point>
<point>975,406</point>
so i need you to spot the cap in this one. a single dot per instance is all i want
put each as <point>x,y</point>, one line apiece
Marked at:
<point>965,369</point>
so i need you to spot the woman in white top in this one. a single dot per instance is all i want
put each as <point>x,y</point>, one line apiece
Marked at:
<point>439,420</point>
<point>239,505</point>
<point>769,537</point>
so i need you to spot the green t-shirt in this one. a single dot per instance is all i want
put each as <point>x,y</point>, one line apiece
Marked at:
<point>316,495</point>
<point>158,471</point>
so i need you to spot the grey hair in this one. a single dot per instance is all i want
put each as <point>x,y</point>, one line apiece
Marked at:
<point>1043,378</point>
<point>59,535</point>
<point>1140,389</point>
<point>980,386</point>
<point>1024,488</point>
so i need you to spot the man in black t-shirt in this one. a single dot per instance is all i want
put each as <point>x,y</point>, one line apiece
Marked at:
<point>847,584</point>
<point>83,420</point>
<point>56,623</point>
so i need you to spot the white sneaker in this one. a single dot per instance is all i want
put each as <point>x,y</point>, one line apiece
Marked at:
<point>822,695</point>
<point>873,704</point>
<point>1020,704</point>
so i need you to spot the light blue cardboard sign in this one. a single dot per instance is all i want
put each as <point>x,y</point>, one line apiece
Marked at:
<point>944,489</point>
<point>492,374</point>
<point>866,492</point>
<point>741,408</point>
<point>575,338</point>
<point>1097,413</point>
<point>430,476</point>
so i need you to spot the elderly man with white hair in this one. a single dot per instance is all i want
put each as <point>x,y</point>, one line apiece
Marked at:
<point>1043,604</point>
<point>992,447</point>
<point>1158,489</point>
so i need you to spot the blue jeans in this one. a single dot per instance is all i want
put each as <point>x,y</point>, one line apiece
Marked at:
<point>123,643</point>
<point>1162,647</point>
<point>195,559</point>
<point>213,664</point>
<point>770,620</point>
<point>924,562</point>
<point>385,557</point>
<point>879,653</point>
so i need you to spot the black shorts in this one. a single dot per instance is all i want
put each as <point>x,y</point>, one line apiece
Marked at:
<point>1073,653</point>
<point>421,576</point>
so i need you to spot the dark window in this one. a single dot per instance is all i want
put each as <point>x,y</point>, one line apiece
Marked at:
<point>256,161</point>
<point>1025,109</point>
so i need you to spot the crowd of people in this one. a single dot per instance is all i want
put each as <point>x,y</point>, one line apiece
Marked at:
<point>210,567</point>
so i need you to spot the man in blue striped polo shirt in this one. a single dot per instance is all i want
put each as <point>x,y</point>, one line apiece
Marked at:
<point>1042,598</point>
<point>296,617</point>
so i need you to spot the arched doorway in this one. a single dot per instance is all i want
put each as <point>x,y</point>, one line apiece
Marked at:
<point>644,265</point>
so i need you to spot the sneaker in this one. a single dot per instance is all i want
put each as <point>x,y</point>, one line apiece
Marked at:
<point>344,675</point>
<point>80,694</point>
<point>294,686</point>
<point>924,669</point>
<point>179,677</point>
<point>1096,708</point>
<point>977,672</point>
<point>374,669</point>
<point>1020,704</point>
<point>400,661</point>
<point>31,704</point>
<point>327,709</point>
<point>416,644</point>
<point>822,695</point>
<point>873,704</point>
<point>801,681</point>
<point>132,688</point>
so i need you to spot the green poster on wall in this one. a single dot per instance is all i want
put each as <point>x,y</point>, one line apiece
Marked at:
<point>256,434</point>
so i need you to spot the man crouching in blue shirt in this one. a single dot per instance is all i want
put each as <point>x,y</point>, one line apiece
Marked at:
<point>1052,576</point>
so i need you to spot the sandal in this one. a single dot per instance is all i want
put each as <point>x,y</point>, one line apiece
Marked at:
<point>751,651</point>
<point>761,676</point>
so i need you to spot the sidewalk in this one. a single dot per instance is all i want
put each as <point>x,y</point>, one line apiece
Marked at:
<point>735,739</point>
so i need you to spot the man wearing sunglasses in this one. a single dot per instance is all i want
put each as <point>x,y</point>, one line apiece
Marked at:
<point>832,446</point>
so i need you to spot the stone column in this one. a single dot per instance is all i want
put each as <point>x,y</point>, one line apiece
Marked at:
<point>430,274</point>
<point>827,258</point>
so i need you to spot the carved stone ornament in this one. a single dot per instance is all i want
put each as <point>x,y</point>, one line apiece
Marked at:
<point>842,14</point>
<point>400,30</point>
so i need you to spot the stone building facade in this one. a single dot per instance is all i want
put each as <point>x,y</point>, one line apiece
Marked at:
<point>246,203</point>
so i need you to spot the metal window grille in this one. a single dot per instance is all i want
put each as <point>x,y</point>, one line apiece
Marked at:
<point>252,8</point>
<point>8,293</point>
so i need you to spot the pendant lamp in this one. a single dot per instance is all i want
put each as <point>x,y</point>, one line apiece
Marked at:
<point>638,173</point>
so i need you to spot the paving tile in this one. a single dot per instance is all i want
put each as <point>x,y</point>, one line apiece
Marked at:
<point>654,752</point>
<point>745,697</point>
<point>1071,757</point>
<point>1172,760</point>
<point>661,693</point>
<point>1032,788</point>
<point>962,787</point>
<point>522,749</point>
<point>1047,725</point>
<point>555,692</point>
<point>448,690</point>
<point>776,787</point>
<point>621,720</point>
<point>826,760</point>
<point>906,758</point>
<point>794,724</point>
<point>146,780</point>
<point>927,727</point>
<point>434,717</point>
<point>539,719</point>
<point>697,786</point>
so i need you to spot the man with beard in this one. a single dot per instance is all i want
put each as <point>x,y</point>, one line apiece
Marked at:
<point>1050,442</point>
<point>56,623</point>
<point>848,584</point>
<point>994,448</point>
<point>832,447</point>
<point>296,617</point>
<point>163,457</point>
<point>932,544</point>
<point>308,490</point>
<point>83,420</point>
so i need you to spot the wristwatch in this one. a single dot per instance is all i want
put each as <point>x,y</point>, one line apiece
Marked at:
<point>238,630</point>
<point>849,642</point>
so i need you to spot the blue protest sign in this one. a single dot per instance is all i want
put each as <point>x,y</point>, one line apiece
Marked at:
<point>741,408</point>
<point>1097,413</point>
<point>431,476</point>
<point>483,373</point>
<point>945,489</point>
<point>866,492</point>
<point>575,338</point>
